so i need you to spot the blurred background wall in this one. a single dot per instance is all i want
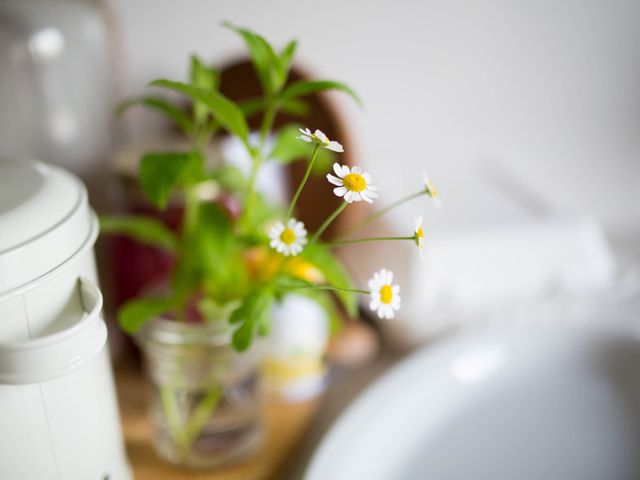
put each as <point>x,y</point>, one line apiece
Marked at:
<point>547,90</point>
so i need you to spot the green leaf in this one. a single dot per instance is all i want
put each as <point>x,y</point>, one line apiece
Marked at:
<point>254,106</point>
<point>284,60</point>
<point>160,173</point>
<point>202,77</point>
<point>213,311</point>
<point>288,148</point>
<point>225,111</point>
<point>252,314</point>
<point>307,87</point>
<point>230,178</point>
<point>219,254</point>
<point>180,118</point>
<point>243,336</point>
<point>265,61</point>
<point>334,273</point>
<point>295,107</point>
<point>135,313</point>
<point>143,229</point>
<point>287,282</point>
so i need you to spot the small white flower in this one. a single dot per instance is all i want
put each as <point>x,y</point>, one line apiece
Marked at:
<point>319,138</point>
<point>352,184</point>
<point>289,239</point>
<point>418,236</point>
<point>385,296</point>
<point>431,190</point>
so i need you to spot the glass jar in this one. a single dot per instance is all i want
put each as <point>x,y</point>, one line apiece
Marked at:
<point>204,400</point>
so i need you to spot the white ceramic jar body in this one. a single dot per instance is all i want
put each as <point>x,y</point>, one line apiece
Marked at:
<point>58,411</point>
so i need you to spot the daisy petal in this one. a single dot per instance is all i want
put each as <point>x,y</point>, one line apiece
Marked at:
<point>340,191</point>
<point>335,180</point>
<point>349,196</point>
<point>335,146</point>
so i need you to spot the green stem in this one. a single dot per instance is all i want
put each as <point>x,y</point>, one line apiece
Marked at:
<point>382,212</point>
<point>328,221</point>
<point>304,181</point>
<point>341,243</point>
<point>256,155</point>
<point>192,207</point>
<point>201,415</point>
<point>329,287</point>
<point>172,414</point>
<point>257,162</point>
<point>267,121</point>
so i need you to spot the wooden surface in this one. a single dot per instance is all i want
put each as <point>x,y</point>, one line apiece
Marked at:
<point>285,424</point>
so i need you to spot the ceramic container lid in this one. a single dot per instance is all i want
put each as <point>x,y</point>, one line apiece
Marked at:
<point>44,220</point>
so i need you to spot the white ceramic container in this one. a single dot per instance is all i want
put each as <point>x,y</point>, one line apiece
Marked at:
<point>58,410</point>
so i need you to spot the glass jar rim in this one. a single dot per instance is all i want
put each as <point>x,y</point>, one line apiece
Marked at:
<point>163,331</point>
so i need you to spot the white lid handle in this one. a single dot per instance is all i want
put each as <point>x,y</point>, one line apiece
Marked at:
<point>58,354</point>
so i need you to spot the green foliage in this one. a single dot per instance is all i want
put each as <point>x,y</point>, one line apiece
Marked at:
<point>161,172</point>
<point>205,78</point>
<point>143,229</point>
<point>225,111</point>
<point>211,247</point>
<point>210,258</point>
<point>135,313</point>
<point>334,273</point>
<point>230,178</point>
<point>307,87</point>
<point>254,106</point>
<point>213,311</point>
<point>219,253</point>
<point>179,117</point>
<point>272,69</point>
<point>252,316</point>
<point>286,58</point>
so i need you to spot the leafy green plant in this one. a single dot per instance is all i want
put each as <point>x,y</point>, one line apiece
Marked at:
<point>212,248</point>
<point>235,266</point>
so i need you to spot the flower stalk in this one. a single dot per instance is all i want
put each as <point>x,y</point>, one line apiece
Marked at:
<point>330,287</point>
<point>303,182</point>
<point>328,221</point>
<point>341,243</point>
<point>384,211</point>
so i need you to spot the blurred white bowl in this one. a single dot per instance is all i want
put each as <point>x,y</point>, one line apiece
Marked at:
<point>541,401</point>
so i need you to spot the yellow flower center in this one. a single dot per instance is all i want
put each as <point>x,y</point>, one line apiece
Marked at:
<point>287,236</point>
<point>386,294</point>
<point>431,189</point>
<point>355,182</point>
<point>419,232</point>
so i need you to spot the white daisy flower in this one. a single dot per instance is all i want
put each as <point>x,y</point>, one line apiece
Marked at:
<point>418,236</point>
<point>319,138</point>
<point>352,184</point>
<point>289,239</point>
<point>385,296</point>
<point>431,189</point>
